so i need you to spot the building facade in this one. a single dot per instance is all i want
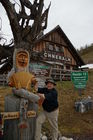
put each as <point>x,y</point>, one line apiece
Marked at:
<point>53,55</point>
<point>58,56</point>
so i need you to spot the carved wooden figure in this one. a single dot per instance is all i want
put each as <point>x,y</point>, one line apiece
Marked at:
<point>21,81</point>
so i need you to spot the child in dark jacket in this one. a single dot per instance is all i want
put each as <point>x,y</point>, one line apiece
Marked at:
<point>50,109</point>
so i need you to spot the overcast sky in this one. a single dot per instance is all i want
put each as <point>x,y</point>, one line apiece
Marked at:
<point>75,17</point>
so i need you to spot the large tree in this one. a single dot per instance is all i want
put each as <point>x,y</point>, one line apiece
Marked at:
<point>27,22</point>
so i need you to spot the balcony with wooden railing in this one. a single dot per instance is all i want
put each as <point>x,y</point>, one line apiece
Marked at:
<point>60,74</point>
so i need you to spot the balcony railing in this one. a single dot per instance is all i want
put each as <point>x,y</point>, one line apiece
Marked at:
<point>60,74</point>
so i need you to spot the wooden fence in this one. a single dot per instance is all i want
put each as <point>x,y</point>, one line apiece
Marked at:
<point>3,79</point>
<point>60,74</point>
<point>56,74</point>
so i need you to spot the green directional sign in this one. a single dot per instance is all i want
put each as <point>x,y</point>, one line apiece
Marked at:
<point>79,78</point>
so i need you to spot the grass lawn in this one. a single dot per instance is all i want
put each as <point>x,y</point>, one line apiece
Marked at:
<point>70,121</point>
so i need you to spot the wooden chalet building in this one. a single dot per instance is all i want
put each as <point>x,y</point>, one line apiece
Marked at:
<point>58,57</point>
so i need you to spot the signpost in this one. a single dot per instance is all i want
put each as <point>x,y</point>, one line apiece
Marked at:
<point>40,69</point>
<point>79,79</point>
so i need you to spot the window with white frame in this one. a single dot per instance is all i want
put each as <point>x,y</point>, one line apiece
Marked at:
<point>51,47</point>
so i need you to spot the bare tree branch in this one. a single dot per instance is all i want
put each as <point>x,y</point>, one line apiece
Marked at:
<point>26,3</point>
<point>45,17</point>
<point>9,7</point>
<point>23,32</point>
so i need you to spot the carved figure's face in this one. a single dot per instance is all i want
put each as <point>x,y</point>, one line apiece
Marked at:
<point>22,59</point>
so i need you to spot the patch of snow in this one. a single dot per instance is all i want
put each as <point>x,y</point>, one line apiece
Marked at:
<point>90,66</point>
<point>54,63</point>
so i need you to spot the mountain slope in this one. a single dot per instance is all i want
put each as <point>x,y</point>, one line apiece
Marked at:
<point>87,54</point>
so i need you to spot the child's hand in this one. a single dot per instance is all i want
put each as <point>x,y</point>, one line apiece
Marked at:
<point>41,95</point>
<point>41,100</point>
